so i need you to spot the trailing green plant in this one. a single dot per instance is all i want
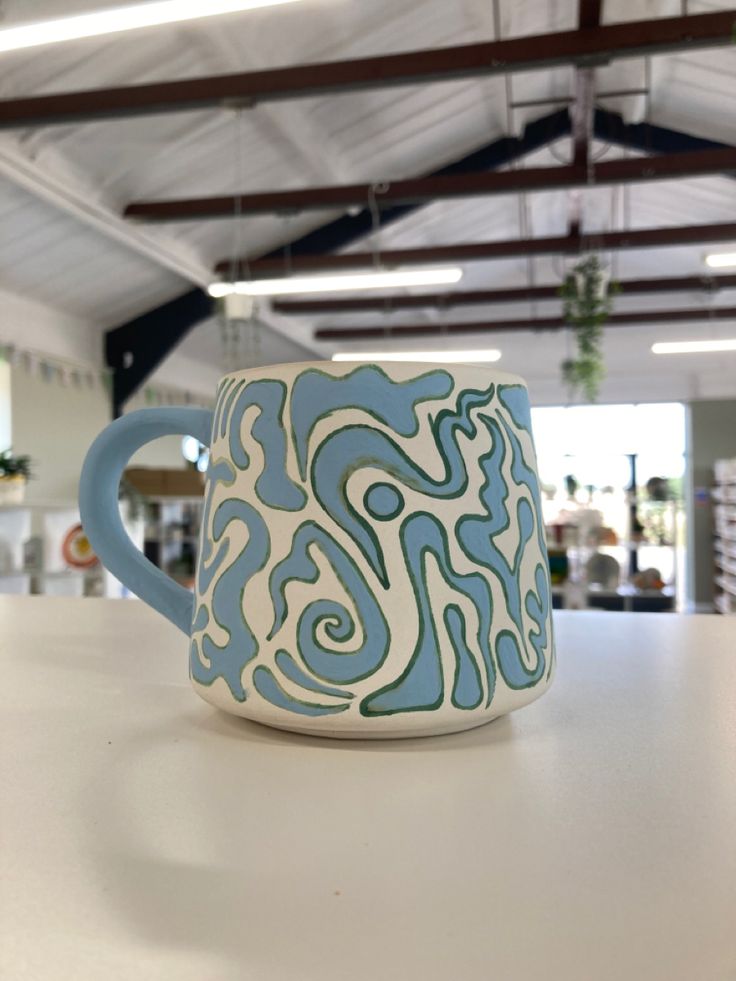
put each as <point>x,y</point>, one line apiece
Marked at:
<point>587,305</point>
<point>14,466</point>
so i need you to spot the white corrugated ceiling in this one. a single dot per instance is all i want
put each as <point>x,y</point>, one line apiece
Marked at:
<point>52,249</point>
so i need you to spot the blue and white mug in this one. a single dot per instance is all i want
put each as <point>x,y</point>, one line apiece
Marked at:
<point>372,557</point>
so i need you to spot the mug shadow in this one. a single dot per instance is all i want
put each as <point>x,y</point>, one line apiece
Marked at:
<point>175,870</point>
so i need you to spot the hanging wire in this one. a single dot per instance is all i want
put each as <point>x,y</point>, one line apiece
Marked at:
<point>648,101</point>
<point>522,199</point>
<point>613,221</point>
<point>233,329</point>
<point>375,213</point>
<point>288,254</point>
<point>238,260</point>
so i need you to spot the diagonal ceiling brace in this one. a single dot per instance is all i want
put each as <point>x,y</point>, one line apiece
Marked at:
<point>610,127</point>
<point>136,349</point>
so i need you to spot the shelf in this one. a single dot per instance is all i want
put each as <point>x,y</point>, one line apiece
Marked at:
<point>191,499</point>
<point>727,585</point>
<point>172,539</point>
<point>725,604</point>
<point>60,574</point>
<point>727,564</point>
<point>723,495</point>
<point>623,592</point>
<point>726,549</point>
<point>41,506</point>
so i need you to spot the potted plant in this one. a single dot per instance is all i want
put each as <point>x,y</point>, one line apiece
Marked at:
<point>14,472</point>
<point>587,294</point>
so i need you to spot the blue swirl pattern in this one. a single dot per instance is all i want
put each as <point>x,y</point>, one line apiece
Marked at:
<point>368,493</point>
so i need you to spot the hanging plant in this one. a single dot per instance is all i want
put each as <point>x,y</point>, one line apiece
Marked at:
<point>14,467</point>
<point>587,295</point>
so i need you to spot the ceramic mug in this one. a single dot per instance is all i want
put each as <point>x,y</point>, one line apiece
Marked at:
<point>372,557</point>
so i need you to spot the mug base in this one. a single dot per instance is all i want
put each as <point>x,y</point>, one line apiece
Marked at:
<point>396,732</point>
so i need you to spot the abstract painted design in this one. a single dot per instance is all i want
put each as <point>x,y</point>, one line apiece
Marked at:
<point>372,545</point>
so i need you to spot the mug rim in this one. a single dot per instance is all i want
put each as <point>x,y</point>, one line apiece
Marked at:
<point>506,377</point>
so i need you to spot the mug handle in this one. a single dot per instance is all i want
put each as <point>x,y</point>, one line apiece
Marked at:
<point>100,512</point>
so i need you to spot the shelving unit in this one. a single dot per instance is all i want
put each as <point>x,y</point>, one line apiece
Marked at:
<point>578,593</point>
<point>32,558</point>
<point>724,537</point>
<point>171,536</point>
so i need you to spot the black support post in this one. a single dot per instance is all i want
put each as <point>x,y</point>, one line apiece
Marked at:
<point>134,350</point>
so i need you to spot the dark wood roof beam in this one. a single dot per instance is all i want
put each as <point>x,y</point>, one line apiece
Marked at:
<point>451,300</point>
<point>585,48</point>
<point>385,331</point>
<point>642,238</point>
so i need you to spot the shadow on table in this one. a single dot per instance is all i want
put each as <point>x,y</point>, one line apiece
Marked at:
<point>207,850</point>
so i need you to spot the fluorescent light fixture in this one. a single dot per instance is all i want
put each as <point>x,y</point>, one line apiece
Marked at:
<point>443,357</point>
<point>720,260</point>
<point>338,283</point>
<point>117,19</point>
<point>694,347</point>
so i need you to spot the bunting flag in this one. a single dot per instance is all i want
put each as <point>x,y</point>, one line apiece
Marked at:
<point>77,376</point>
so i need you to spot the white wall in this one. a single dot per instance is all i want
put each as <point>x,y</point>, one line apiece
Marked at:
<point>55,425</point>
<point>5,428</point>
<point>34,326</point>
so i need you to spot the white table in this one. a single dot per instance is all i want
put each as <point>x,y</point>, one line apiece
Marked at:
<point>588,837</point>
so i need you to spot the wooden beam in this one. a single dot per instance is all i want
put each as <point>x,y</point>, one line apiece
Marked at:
<point>578,47</point>
<point>582,111</point>
<point>385,331</point>
<point>589,14</point>
<point>451,300</point>
<point>643,238</point>
<point>671,166</point>
<point>589,19</point>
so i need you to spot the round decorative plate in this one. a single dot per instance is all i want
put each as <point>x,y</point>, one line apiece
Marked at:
<point>77,550</point>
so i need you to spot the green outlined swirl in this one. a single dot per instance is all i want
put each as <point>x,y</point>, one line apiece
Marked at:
<point>365,466</point>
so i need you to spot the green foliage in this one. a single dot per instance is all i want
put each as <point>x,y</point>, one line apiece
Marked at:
<point>587,305</point>
<point>14,466</point>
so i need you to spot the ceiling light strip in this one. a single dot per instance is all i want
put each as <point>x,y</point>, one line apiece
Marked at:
<point>694,347</point>
<point>115,20</point>
<point>721,260</point>
<point>338,283</point>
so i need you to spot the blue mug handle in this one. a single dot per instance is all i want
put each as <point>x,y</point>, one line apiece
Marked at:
<point>98,504</point>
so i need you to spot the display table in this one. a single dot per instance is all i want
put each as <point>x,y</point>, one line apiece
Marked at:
<point>589,837</point>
